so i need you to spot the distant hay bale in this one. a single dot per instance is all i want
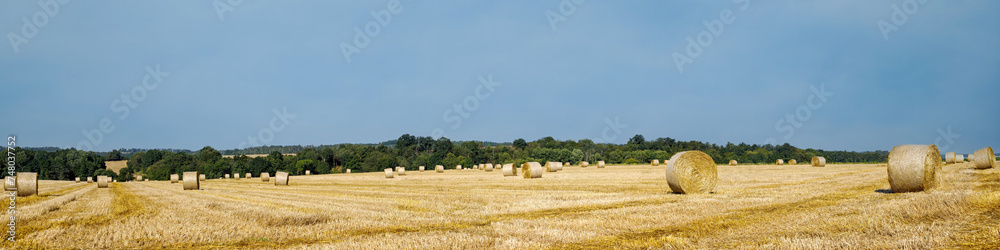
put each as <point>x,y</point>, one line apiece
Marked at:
<point>509,170</point>
<point>227,176</point>
<point>960,158</point>
<point>984,158</point>
<point>914,168</point>
<point>553,166</point>
<point>102,181</point>
<point>281,178</point>
<point>421,168</point>
<point>531,170</point>
<point>236,176</point>
<point>348,170</point>
<point>792,162</point>
<point>192,181</point>
<point>780,162</point>
<point>308,172</point>
<point>27,184</point>
<point>265,177</point>
<point>90,179</point>
<point>692,172</point>
<point>174,178</point>
<point>248,176</point>
<point>201,177</point>
<point>565,164</point>
<point>77,179</point>
<point>10,183</point>
<point>733,163</point>
<point>388,173</point>
<point>584,164</point>
<point>458,167</point>
<point>439,168</point>
<point>818,161</point>
<point>949,157</point>
<point>489,167</point>
<point>139,178</point>
<point>401,170</point>
<point>655,162</point>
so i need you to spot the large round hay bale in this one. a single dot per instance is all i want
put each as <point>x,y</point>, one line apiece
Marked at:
<point>949,157</point>
<point>960,158</point>
<point>421,168</point>
<point>553,166</point>
<point>77,179</point>
<point>818,161</point>
<point>265,177</point>
<point>600,164</point>
<point>388,173</point>
<point>439,168</point>
<point>489,167</point>
<point>192,181</point>
<point>10,183</point>
<point>139,178</point>
<point>90,179</point>
<point>984,158</point>
<point>914,168</point>
<point>227,176</point>
<point>27,183</point>
<point>691,172</point>
<point>584,164</point>
<point>236,176</point>
<point>248,175</point>
<point>308,172</point>
<point>348,170</point>
<point>780,162</point>
<point>102,181</point>
<point>655,162</point>
<point>281,178</point>
<point>458,167</point>
<point>174,178</point>
<point>401,170</point>
<point>201,177</point>
<point>531,170</point>
<point>792,162</point>
<point>509,170</point>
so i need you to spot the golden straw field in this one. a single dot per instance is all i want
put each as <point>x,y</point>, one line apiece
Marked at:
<point>753,206</point>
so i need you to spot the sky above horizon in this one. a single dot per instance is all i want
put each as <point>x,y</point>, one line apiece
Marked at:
<point>837,75</point>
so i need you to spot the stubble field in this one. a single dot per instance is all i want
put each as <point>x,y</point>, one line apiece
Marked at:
<point>753,206</point>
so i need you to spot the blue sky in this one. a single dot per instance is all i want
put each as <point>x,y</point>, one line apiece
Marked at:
<point>607,71</point>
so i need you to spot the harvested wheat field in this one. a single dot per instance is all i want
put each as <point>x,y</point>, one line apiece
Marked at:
<point>752,206</point>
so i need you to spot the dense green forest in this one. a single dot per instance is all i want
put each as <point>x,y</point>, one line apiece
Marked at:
<point>407,151</point>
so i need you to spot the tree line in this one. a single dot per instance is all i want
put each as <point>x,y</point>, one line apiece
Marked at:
<point>407,151</point>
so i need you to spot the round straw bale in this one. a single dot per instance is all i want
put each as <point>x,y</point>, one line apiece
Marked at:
<point>308,172</point>
<point>401,170</point>
<point>248,176</point>
<point>439,168</point>
<point>77,179</point>
<point>192,181</point>
<point>388,173</point>
<point>90,179</point>
<point>281,178</point>
<point>227,176</point>
<point>265,177</point>
<point>10,183</point>
<point>552,166</point>
<point>489,167</point>
<point>780,162</point>
<point>459,167</point>
<point>531,170</point>
<point>733,163</point>
<point>818,161</point>
<point>174,178</point>
<point>27,183</point>
<point>348,170</point>
<point>139,178</point>
<point>960,158</point>
<point>949,157</point>
<point>914,168</point>
<point>655,162</point>
<point>792,162</point>
<point>985,158</point>
<point>102,181</point>
<point>584,164</point>
<point>201,177</point>
<point>509,170</point>
<point>236,176</point>
<point>691,172</point>
<point>600,164</point>
<point>421,168</point>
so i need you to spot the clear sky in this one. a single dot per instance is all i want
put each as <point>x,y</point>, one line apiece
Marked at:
<point>838,75</point>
